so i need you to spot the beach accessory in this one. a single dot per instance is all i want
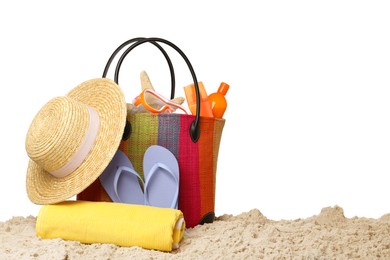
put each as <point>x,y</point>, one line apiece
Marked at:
<point>161,187</point>
<point>112,223</point>
<point>121,181</point>
<point>147,84</point>
<point>218,101</point>
<point>160,104</point>
<point>161,172</point>
<point>205,107</point>
<point>72,139</point>
<point>192,139</point>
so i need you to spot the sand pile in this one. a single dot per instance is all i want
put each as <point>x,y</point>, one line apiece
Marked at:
<point>249,235</point>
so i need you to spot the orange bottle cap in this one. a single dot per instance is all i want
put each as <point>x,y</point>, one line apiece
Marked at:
<point>223,88</point>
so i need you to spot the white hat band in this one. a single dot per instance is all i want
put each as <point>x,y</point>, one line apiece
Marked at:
<point>89,139</point>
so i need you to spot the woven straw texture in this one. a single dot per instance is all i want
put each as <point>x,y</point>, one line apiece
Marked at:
<point>197,161</point>
<point>57,131</point>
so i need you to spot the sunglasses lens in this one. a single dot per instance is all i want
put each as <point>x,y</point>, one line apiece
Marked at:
<point>156,102</point>
<point>153,101</point>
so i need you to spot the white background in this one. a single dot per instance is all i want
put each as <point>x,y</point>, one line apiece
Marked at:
<point>308,118</point>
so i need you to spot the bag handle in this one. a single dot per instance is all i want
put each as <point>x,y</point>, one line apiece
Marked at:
<point>195,126</point>
<point>108,64</point>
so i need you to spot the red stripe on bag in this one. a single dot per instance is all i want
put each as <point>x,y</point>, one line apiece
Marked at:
<point>189,199</point>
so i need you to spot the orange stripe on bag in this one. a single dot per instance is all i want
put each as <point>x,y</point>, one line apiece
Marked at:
<point>206,174</point>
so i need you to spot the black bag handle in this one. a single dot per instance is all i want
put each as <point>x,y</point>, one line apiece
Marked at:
<point>108,64</point>
<point>195,126</point>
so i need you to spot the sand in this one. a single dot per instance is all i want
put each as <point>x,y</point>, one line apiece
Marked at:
<point>250,235</point>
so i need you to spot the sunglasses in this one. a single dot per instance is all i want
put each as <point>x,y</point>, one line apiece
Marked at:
<point>160,104</point>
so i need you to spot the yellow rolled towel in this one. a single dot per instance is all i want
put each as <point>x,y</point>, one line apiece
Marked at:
<point>112,223</point>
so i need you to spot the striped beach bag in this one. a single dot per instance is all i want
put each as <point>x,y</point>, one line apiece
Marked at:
<point>194,140</point>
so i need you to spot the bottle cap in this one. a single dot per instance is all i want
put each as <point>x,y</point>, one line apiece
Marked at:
<point>223,88</point>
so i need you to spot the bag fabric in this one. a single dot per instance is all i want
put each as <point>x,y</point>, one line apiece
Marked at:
<point>197,159</point>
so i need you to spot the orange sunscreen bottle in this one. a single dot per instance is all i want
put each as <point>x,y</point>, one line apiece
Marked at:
<point>205,109</point>
<point>218,101</point>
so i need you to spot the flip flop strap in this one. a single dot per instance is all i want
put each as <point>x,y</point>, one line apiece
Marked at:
<point>152,171</point>
<point>118,174</point>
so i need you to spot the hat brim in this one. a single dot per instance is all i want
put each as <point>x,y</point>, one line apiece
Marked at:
<point>106,97</point>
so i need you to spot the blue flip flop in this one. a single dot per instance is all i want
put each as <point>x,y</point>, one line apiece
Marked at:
<point>121,181</point>
<point>161,171</point>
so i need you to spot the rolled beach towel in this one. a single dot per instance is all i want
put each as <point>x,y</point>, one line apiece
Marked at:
<point>112,223</point>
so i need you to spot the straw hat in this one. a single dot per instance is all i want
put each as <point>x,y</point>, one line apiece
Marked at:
<point>72,139</point>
